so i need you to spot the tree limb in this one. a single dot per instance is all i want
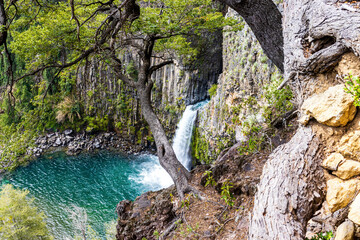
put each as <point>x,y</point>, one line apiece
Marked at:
<point>160,65</point>
<point>73,16</point>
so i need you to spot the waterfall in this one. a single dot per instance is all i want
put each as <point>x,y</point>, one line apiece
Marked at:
<point>150,172</point>
<point>183,134</point>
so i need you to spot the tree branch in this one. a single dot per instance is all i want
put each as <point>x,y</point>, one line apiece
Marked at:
<point>160,65</point>
<point>73,16</point>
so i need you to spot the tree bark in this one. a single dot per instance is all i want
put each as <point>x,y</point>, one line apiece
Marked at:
<point>264,19</point>
<point>290,190</point>
<point>165,152</point>
<point>3,19</point>
<point>316,34</point>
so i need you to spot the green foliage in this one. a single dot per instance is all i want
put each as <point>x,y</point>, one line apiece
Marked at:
<point>278,100</point>
<point>209,179</point>
<point>212,90</point>
<point>175,20</point>
<point>185,203</point>
<point>352,86</point>
<point>156,234</point>
<point>97,123</point>
<point>322,236</point>
<point>19,218</point>
<point>226,194</point>
<point>251,128</point>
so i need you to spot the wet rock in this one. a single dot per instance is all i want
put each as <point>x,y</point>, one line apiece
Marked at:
<point>345,231</point>
<point>340,193</point>
<point>354,213</point>
<point>333,108</point>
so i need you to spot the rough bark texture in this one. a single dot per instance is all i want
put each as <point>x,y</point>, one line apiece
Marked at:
<point>264,19</point>
<point>290,190</point>
<point>165,152</point>
<point>317,33</point>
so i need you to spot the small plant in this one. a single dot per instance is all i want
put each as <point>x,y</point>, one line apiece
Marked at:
<point>352,86</point>
<point>226,194</point>
<point>322,236</point>
<point>186,201</point>
<point>212,90</point>
<point>209,179</point>
<point>156,234</point>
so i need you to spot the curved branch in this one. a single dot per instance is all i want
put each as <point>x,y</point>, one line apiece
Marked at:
<point>160,65</point>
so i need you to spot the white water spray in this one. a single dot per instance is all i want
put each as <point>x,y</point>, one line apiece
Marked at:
<point>151,172</point>
<point>183,134</point>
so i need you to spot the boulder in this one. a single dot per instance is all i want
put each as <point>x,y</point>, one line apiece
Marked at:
<point>340,193</point>
<point>333,161</point>
<point>345,231</point>
<point>348,169</point>
<point>334,107</point>
<point>354,213</point>
<point>350,145</point>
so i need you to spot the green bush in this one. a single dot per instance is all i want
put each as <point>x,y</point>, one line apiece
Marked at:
<point>19,219</point>
<point>212,90</point>
<point>322,236</point>
<point>352,86</point>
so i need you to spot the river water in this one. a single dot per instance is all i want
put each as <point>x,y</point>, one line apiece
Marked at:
<point>96,182</point>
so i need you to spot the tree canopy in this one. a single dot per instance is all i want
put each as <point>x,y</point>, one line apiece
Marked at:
<point>19,218</point>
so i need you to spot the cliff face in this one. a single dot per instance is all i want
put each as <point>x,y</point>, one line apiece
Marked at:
<point>176,85</point>
<point>240,95</point>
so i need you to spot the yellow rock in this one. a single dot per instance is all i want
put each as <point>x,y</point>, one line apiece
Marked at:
<point>350,145</point>
<point>348,169</point>
<point>345,231</point>
<point>334,107</point>
<point>354,213</point>
<point>340,193</point>
<point>333,161</point>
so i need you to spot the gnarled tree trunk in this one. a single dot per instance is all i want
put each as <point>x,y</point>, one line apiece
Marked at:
<point>290,190</point>
<point>264,19</point>
<point>316,34</point>
<point>165,151</point>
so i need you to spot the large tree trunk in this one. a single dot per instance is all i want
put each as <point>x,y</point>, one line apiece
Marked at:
<point>264,19</point>
<point>290,190</point>
<point>316,34</point>
<point>165,152</point>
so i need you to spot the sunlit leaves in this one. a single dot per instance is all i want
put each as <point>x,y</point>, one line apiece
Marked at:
<point>19,219</point>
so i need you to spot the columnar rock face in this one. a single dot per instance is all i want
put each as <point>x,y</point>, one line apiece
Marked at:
<point>246,71</point>
<point>175,85</point>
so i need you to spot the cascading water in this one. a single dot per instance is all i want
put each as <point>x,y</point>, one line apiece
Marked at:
<point>183,134</point>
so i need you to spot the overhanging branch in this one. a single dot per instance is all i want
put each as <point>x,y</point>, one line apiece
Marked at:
<point>160,65</point>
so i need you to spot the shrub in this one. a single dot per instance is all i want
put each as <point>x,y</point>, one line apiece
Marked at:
<point>212,90</point>
<point>19,219</point>
<point>352,86</point>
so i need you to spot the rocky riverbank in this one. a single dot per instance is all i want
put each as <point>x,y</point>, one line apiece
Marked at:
<point>74,143</point>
